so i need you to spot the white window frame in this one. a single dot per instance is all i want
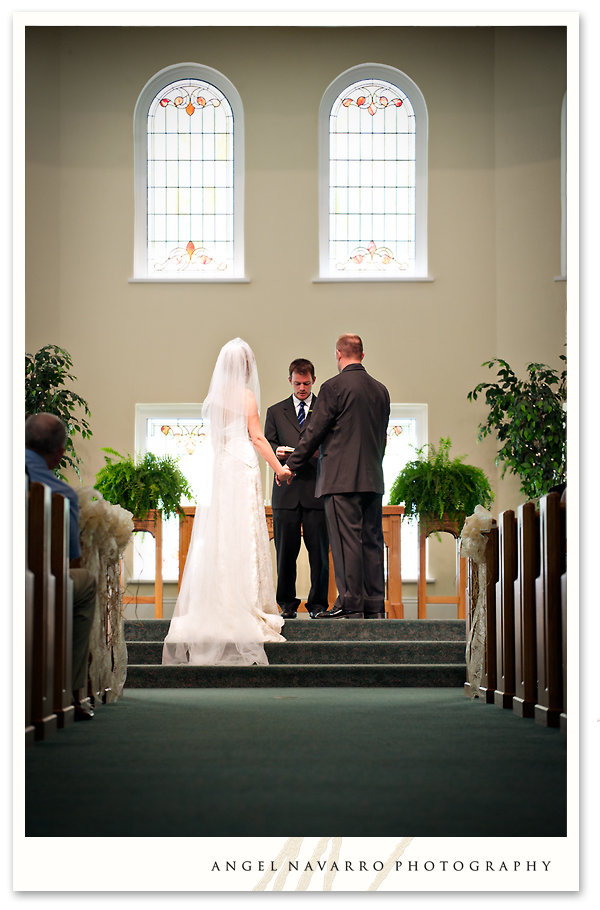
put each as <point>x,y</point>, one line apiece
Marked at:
<point>410,412</point>
<point>140,140</point>
<point>411,89</point>
<point>143,412</point>
<point>416,412</point>
<point>406,412</point>
<point>164,411</point>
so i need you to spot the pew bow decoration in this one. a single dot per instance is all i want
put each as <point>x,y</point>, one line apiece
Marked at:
<point>104,532</point>
<point>472,536</point>
<point>473,541</point>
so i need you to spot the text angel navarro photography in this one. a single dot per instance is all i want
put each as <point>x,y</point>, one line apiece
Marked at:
<point>440,865</point>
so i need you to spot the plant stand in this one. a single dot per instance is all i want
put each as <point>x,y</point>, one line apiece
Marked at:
<point>153,524</point>
<point>427,526</point>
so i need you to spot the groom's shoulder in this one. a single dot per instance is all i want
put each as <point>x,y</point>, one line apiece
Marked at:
<point>355,378</point>
<point>329,385</point>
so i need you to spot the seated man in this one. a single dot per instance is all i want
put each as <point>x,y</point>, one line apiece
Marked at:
<point>45,442</point>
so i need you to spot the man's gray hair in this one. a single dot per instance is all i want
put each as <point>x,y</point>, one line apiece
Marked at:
<point>45,433</point>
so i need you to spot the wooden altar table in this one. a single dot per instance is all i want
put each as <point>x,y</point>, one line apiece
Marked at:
<point>392,517</point>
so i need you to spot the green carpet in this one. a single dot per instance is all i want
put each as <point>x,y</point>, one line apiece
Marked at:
<point>271,762</point>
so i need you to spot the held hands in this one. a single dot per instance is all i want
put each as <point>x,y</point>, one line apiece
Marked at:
<point>283,453</point>
<point>283,474</point>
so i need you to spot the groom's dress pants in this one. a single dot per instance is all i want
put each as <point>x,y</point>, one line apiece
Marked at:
<point>354,522</point>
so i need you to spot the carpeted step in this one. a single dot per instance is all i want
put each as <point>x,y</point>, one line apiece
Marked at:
<point>146,629</point>
<point>334,652</point>
<point>297,675</point>
<point>389,652</point>
<point>331,630</point>
<point>375,630</point>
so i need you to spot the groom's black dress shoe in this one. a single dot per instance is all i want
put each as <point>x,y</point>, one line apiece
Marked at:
<point>288,614</point>
<point>316,611</point>
<point>339,613</point>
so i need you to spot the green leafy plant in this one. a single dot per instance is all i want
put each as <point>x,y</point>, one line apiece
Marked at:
<point>149,482</point>
<point>46,373</point>
<point>529,420</point>
<point>435,486</point>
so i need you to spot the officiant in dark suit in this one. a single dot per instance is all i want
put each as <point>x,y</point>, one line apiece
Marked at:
<point>349,427</point>
<point>296,509</point>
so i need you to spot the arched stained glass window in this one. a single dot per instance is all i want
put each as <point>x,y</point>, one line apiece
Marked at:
<point>373,171</point>
<point>189,199</point>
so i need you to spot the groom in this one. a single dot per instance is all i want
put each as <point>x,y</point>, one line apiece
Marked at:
<point>349,424</point>
<point>295,507</point>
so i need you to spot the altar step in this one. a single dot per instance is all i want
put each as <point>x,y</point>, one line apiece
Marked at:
<point>385,653</point>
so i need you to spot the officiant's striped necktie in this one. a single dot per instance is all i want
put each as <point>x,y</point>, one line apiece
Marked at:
<point>301,417</point>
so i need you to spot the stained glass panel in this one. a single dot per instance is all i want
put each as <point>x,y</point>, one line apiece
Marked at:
<point>190,180</point>
<point>372,154</point>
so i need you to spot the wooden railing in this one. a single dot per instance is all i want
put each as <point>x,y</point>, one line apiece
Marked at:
<point>391,520</point>
<point>505,610</point>
<point>49,610</point>
<point>526,625</point>
<point>48,615</point>
<point>63,615</point>
<point>528,569</point>
<point>548,608</point>
<point>29,621</point>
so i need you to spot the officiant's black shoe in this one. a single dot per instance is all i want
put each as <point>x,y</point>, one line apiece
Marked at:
<point>374,615</point>
<point>340,613</point>
<point>288,614</point>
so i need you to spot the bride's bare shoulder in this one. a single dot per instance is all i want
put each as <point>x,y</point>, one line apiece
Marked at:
<point>251,406</point>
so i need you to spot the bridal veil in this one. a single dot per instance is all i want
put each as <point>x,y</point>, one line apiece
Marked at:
<point>226,607</point>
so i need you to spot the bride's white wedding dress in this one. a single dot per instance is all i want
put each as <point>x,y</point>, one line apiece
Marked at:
<point>226,607</point>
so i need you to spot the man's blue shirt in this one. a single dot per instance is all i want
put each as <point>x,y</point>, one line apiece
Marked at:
<point>39,472</point>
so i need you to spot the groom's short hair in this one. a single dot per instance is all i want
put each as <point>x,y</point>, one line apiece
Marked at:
<point>350,346</point>
<point>302,366</point>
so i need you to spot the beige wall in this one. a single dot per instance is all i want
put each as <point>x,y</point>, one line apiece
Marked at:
<point>494,98</point>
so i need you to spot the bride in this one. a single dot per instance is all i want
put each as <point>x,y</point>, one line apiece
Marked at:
<point>226,607</point>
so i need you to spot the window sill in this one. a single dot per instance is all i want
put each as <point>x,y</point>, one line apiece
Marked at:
<point>369,279</point>
<point>134,582</point>
<point>188,280</point>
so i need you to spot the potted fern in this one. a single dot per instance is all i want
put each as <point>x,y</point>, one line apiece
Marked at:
<point>149,483</point>
<point>439,491</point>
